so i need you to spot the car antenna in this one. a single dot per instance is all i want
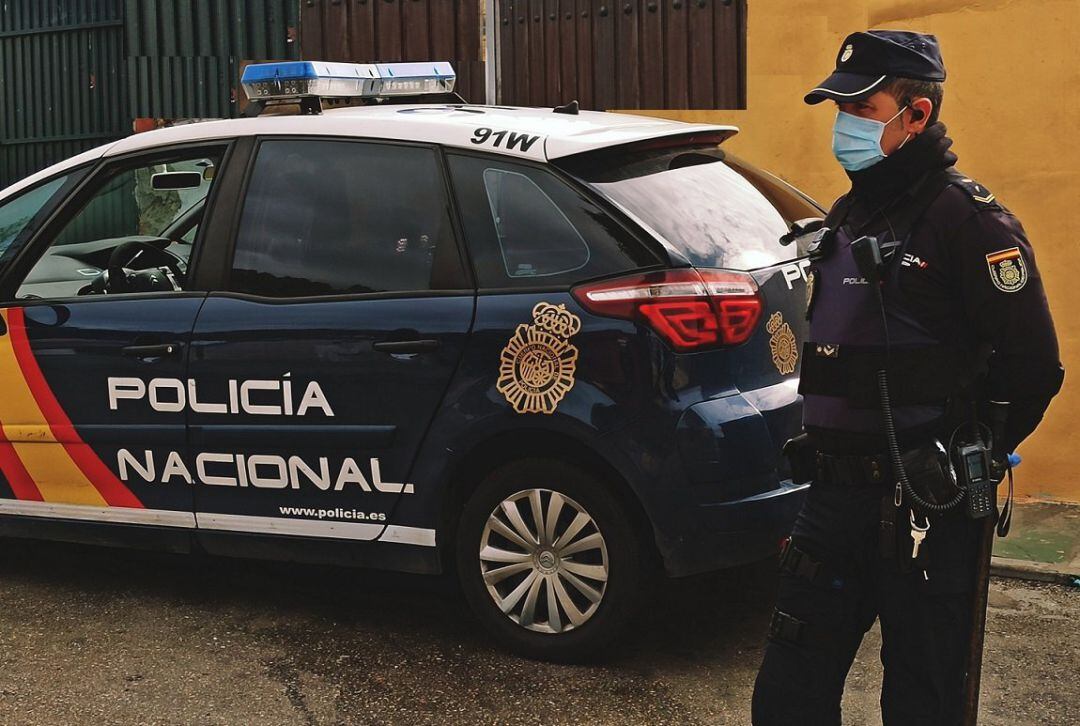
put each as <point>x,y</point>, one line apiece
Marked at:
<point>570,108</point>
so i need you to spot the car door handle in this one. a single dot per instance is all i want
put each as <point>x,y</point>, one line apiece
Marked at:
<point>406,346</point>
<point>159,350</point>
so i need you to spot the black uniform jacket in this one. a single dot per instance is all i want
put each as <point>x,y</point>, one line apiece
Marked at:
<point>967,271</point>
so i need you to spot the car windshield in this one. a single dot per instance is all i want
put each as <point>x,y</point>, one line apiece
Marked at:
<point>714,208</point>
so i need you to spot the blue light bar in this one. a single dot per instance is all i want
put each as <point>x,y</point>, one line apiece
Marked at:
<point>298,79</point>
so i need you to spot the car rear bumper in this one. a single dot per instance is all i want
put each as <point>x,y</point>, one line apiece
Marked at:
<point>725,534</point>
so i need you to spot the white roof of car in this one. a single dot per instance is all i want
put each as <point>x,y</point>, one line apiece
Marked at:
<point>532,133</point>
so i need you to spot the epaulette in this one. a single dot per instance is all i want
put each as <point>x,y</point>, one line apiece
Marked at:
<point>977,192</point>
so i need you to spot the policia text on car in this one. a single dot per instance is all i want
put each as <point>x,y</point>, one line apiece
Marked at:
<point>926,311</point>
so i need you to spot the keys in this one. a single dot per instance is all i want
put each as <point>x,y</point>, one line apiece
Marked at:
<point>918,534</point>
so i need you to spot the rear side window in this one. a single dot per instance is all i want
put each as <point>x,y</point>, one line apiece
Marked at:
<point>527,228</point>
<point>326,217</point>
<point>717,210</point>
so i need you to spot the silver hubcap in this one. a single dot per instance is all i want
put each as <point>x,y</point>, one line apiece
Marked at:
<point>544,561</point>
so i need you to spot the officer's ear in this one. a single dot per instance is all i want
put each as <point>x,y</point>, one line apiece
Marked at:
<point>918,115</point>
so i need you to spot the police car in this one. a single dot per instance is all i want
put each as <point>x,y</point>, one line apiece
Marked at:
<point>554,351</point>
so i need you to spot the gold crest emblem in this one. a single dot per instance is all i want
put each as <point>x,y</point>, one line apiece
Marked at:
<point>1007,269</point>
<point>537,366</point>
<point>782,344</point>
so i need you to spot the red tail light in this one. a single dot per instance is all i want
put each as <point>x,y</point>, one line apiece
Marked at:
<point>690,309</point>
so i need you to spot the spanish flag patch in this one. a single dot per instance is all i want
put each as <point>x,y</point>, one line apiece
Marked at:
<point>1007,269</point>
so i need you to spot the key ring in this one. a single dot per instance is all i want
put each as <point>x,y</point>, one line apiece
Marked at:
<point>917,528</point>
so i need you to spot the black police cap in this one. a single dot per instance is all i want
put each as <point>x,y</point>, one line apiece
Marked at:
<point>866,59</point>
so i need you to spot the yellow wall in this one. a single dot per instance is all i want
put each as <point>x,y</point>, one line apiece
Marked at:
<point>1012,104</point>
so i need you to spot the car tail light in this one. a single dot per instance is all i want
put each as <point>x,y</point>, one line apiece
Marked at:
<point>690,309</point>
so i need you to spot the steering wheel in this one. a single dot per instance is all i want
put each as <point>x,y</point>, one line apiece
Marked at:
<point>126,253</point>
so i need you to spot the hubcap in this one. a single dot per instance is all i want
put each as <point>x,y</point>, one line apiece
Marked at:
<point>544,561</point>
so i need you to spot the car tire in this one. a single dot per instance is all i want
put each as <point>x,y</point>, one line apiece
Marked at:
<point>537,595</point>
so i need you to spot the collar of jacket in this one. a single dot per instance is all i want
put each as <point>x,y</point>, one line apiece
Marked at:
<point>892,176</point>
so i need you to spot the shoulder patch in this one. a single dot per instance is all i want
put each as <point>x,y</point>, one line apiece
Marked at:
<point>1007,269</point>
<point>978,193</point>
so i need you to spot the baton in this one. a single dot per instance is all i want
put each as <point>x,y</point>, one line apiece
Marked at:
<point>981,596</point>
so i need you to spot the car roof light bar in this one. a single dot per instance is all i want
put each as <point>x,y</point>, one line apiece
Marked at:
<point>300,80</point>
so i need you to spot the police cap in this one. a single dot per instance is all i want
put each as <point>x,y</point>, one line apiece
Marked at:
<point>866,59</point>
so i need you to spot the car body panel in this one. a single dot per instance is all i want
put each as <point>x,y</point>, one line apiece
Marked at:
<point>71,444</point>
<point>335,466</point>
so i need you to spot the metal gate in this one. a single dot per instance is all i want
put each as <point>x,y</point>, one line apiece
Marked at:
<point>184,56</point>
<point>77,73</point>
<point>61,81</point>
<point>366,31</point>
<point>650,54</point>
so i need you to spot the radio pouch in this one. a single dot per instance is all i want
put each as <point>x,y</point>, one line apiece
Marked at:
<point>930,473</point>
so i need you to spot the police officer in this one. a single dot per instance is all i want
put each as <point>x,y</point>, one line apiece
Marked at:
<point>961,320</point>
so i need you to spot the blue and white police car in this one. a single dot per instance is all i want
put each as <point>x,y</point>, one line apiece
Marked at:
<point>554,351</point>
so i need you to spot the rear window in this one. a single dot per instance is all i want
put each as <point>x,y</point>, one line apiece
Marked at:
<point>714,208</point>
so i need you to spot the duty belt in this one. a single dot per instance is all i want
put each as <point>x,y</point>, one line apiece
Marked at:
<point>858,470</point>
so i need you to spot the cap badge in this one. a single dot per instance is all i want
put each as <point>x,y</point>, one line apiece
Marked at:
<point>848,51</point>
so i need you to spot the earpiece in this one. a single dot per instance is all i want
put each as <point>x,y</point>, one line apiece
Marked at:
<point>917,114</point>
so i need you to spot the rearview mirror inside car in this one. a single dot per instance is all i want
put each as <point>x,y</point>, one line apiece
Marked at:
<point>176,180</point>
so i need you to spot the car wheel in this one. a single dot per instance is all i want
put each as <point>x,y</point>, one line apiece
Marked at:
<point>550,560</point>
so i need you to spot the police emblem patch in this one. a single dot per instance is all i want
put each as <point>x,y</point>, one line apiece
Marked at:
<point>537,366</point>
<point>782,344</point>
<point>1007,269</point>
<point>848,51</point>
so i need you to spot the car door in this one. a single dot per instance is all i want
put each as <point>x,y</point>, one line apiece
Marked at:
<point>96,313</point>
<point>320,366</point>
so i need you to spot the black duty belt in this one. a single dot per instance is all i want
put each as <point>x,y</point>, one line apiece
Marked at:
<point>856,470</point>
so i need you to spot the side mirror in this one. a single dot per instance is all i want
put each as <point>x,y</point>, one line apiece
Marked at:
<point>802,227</point>
<point>170,180</point>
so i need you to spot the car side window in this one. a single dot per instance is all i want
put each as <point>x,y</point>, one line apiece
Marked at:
<point>535,237</point>
<point>332,217</point>
<point>17,212</point>
<point>526,227</point>
<point>121,239</point>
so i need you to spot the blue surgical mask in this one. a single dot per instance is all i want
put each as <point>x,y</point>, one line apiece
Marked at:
<point>857,141</point>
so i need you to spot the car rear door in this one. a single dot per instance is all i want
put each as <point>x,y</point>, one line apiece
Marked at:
<point>93,413</point>
<point>320,364</point>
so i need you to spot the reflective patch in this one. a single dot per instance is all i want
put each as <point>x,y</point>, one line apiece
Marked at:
<point>782,344</point>
<point>1007,269</point>
<point>537,366</point>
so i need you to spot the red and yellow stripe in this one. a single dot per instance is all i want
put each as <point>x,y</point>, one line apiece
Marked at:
<point>1003,255</point>
<point>41,454</point>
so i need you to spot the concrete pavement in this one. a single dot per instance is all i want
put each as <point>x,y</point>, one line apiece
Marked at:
<point>1043,544</point>
<point>97,636</point>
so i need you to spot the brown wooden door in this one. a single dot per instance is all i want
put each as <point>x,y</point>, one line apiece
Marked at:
<point>385,31</point>
<point>623,54</point>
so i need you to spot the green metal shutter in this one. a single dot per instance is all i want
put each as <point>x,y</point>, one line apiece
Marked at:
<point>62,89</point>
